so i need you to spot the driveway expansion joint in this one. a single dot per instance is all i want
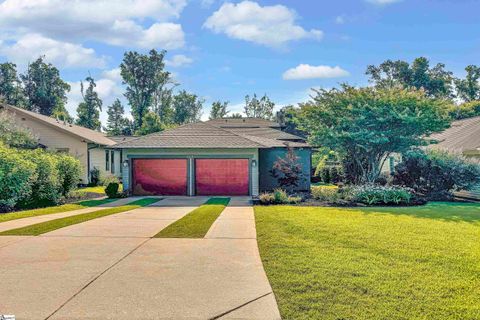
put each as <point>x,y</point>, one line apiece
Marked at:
<point>240,306</point>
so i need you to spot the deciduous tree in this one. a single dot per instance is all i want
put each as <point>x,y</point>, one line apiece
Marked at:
<point>259,108</point>
<point>468,89</point>
<point>188,108</point>
<point>219,110</point>
<point>11,90</point>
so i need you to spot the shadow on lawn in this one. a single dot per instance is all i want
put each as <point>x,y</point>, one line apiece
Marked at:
<point>447,211</point>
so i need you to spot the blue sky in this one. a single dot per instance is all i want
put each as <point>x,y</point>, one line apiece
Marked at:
<point>227,49</point>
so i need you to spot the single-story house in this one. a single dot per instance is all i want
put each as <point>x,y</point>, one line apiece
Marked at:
<point>216,157</point>
<point>88,146</point>
<point>463,137</point>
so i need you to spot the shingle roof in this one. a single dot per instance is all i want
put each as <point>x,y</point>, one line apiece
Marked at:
<point>463,135</point>
<point>81,132</point>
<point>206,135</point>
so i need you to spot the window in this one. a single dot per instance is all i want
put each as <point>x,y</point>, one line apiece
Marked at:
<point>121,161</point>
<point>112,165</point>
<point>107,160</point>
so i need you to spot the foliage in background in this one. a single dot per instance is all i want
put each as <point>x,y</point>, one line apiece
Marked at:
<point>116,119</point>
<point>259,108</point>
<point>11,90</point>
<point>219,110</point>
<point>44,89</point>
<point>188,107</point>
<point>14,135</point>
<point>95,178</point>
<point>287,117</point>
<point>468,89</point>
<point>436,81</point>
<point>436,174</point>
<point>366,125</point>
<point>465,110</point>
<point>288,170</point>
<point>151,124</point>
<point>88,111</point>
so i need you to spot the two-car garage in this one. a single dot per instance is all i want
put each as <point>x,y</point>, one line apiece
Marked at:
<point>202,176</point>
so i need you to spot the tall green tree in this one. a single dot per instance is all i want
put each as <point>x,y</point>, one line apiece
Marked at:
<point>11,90</point>
<point>44,88</point>
<point>259,108</point>
<point>367,125</point>
<point>88,111</point>
<point>116,119</point>
<point>219,110</point>
<point>145,78</point>
<point>436,81</point>
<point>236,115</point>
<point>468,89</point>
<point>287,117</point>
<point>188,108</point>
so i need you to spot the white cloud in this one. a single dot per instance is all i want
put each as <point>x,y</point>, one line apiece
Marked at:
<point>383,2</point>
<point>65,54</point>
<point>116,22</point>
<point>178,60</point>
<point>113,74</point>
<point>340,20</point>
<point>306,71</point>
<point>269,25</point>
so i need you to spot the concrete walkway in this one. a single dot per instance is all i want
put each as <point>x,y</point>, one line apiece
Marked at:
<point>109,268</point>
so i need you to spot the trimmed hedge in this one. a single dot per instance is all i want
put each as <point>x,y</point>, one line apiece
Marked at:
<point>35,178</point>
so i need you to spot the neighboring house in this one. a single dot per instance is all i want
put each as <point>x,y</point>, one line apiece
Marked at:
<point>463,137</point>
<point>217,157</point>
<point>88,146</point>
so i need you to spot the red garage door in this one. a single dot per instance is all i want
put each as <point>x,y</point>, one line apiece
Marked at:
<point>221,177</point>
<point>160,176</point>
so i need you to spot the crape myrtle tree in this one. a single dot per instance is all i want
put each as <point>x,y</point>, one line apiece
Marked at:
<point>366,125</point>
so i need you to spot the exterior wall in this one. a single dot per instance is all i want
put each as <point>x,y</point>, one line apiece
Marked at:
<point>267,158</point>
<point>98,160</point>
<point>191,154</point>
<point>56,140</point>
<point>390,163</point>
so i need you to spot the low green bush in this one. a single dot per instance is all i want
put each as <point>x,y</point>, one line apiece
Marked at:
<point>69,173</point>
<point>109,179</point>
<point>279,196</point>
<point>267,198</point>
<point>382,195</point>
<point>112,190</point>
<point>327,194</point>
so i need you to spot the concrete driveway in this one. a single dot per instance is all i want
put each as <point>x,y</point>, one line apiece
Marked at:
<point>110,268</point>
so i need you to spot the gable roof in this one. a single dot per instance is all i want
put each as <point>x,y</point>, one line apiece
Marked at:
<point>206,135</point>
<point>86,134</point>
<point>243,123</point>
<point>462,136</point>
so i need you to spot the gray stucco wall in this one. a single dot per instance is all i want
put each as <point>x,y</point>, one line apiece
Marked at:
<point>267,157</point>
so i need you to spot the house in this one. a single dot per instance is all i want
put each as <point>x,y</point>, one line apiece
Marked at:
<point>463,137</point>
<point>216,157</point>
<point>88,146</point>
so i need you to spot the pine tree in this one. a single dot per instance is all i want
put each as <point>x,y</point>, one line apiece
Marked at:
<point>115,121</point>
<point>88,111</point>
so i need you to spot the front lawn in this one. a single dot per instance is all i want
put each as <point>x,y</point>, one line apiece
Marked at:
<point>373,263</point>
<point>47,226</point>
<point>196,223</point>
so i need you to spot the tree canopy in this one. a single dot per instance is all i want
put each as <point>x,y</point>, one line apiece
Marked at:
<point>11,90</point>
<point>88,111</point>
<point>259,108</point>
<point>366,125</point>
<point>115,120</point>
<point>188,107</point>
<point>219,110</point>
<point>468,89</point>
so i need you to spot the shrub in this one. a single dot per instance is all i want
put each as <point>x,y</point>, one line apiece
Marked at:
<point>280,196</point>
<point>109,179</point>
<point>266,198</point>
<point>14,135</point>
<point>16,178</point>
<point>288,170</point>
<point>112,190</point>
<point>69,171</point>
<point>294,200</point>
<point>94,177</point>
<point>436,174</point>
<point>376,195</point>
<point>323,193</point>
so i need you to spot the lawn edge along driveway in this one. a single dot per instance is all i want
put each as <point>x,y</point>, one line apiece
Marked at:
<point>4,217</point>
<point>47,226</point>
<point>197,222</point>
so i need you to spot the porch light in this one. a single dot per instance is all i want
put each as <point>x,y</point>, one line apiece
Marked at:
<point>254,163</point>
<point>125,163</point>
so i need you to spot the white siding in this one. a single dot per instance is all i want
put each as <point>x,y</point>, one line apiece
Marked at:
<point>192,153</point>
<point>98,158</point>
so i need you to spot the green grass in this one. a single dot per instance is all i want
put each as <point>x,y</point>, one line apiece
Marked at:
<point>373,263</point>
<point>196,223</point>
<point>47,226</point>
<point>94,203</point>
<point>98,189</point>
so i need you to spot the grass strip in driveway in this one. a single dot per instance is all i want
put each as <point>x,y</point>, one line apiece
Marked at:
<point>373,263</point>
<point>196,223</point>
<point>47,226</point>
<point>51,210</point>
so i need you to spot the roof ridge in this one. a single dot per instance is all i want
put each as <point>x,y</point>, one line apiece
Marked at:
<point>234,133</point>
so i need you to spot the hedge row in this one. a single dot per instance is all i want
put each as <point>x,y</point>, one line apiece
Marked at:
<point>35,178</point>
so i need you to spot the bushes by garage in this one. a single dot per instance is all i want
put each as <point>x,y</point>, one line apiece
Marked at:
<point>35,178</point>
